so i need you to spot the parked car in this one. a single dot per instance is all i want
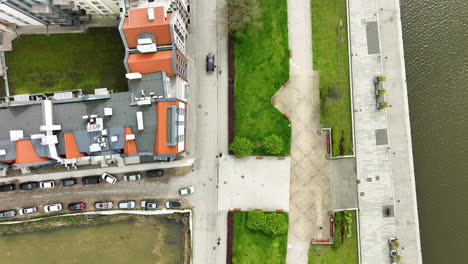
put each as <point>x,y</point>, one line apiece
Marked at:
<point>187,191</point>
<point>27,210</point>
<point>67,182</point>
<point>91,180</point>
<point>76,206</point>
<point>47,184</point>
<point>29,185</point>
<point>109,178</point>
<point>104,205</point>
<point>53,208</point>
<point>7,187</point>
<point>155,173</point>
<point>8,213</point>
<point>127,204</point>
<point>210,62</point>
<point>173,204</point>
<point>149,204</point>
<point>132,177</point>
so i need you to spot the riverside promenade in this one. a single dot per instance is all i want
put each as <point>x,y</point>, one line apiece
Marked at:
<point>384,159</point>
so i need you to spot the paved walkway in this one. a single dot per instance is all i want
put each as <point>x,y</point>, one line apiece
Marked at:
<point>384,167</point>
<point>310,186</point>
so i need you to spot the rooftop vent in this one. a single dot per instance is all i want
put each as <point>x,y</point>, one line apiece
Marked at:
<point>150,14</point>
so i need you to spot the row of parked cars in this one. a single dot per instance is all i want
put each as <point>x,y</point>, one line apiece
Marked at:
<point>100,205</point>
<point>85,180</point>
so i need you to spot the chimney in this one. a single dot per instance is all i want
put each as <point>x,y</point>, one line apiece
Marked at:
<point>151,14</point>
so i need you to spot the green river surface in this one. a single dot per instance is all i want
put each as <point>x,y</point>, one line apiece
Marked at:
<point>435,36</point>
<point>129,241</point>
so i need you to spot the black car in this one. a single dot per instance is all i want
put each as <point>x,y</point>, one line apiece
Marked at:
<point>154,173</point>
<point>76,206</point>
<point>67,182</point>
<point>91,180</point>
<point>29,185</point>
<point>173,204</point>
<point>7,187</point>
<point>210,62</point>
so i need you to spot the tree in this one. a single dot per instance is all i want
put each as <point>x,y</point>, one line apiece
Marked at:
<point>241,146</point>
<point>273,144</point>
<point>243,13</point>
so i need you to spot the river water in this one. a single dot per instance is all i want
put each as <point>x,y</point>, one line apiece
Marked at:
<point>436,54</point>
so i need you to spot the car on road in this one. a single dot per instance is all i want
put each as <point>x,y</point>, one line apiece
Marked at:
<point>47,184</point>
<point>109,178</point>
<point>104,205</point>
<point>149,204</point>
<point>210,62</point>
<point>76,206</point>
<point>155,173</point>
<point>53,208</point>
<point>67,182</point>
<point>187,191</point>
<point>91,180</point>
<point>7,187</point>
<point>29,185</point>
<point>173,204</point>
<point>127,204</point>
<point>7,213</point>
<point>132,177</point>
<point>27,210</point>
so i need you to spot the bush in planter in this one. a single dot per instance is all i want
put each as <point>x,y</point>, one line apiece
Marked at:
<point>381,78</point>
<point>273,144</point>
<point>383,105</point>
<point>382,91</point>
<point>396,243</point>
<point>241,146</point>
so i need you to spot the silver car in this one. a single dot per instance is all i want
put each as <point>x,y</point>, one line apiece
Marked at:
<point>7,214</point>
<point>127,204</point>
<point>132,177</point>
<point>104,205</point>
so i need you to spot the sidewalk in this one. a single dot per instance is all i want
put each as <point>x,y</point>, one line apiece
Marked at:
<point>384,165</point>
<point>310,185</point>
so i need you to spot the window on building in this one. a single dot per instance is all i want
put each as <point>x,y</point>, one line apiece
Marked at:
<point>101,7</point>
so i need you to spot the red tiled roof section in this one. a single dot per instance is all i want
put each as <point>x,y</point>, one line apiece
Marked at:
<point>137,22</point>
<point>151,62</point>
<point>161,146</point>
<point>25,152</point>
<point>71,150</point>
<point>129,145</point>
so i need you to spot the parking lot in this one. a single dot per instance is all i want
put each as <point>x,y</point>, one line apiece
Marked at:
<point>154,189</point>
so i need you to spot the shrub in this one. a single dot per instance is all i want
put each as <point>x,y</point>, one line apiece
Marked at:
<point>270,223</point>
<point>256,220</point>
<point>276,224</point>
<point>273,144</point>
<point>241,146</point>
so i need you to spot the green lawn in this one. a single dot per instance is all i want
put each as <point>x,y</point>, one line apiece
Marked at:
<point>255,247</point>
<point>347,253</point>
<point>58,62</point>
<point>262,67</point>
<point>330,58</point>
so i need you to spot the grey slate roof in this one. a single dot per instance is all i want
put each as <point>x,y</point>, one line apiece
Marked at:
<point>119,133</point>
<point>150,82</point>
<point>41,150</point>
<point>9,147</point>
